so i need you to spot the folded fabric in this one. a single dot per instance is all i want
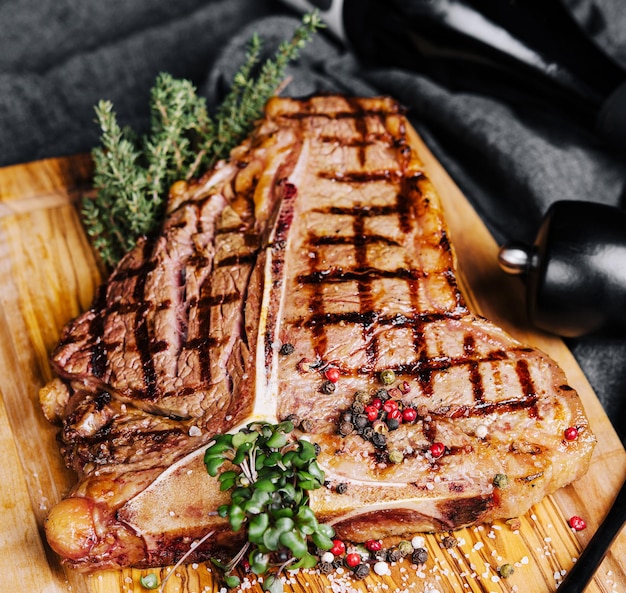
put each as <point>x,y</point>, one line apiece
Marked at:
<point>511,159</point>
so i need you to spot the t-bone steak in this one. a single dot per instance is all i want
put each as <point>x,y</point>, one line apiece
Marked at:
<point>320,244</point>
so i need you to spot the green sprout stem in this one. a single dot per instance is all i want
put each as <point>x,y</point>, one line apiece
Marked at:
<point>269,475</point>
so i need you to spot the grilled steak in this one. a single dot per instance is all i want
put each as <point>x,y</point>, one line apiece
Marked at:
<point>320,244</point>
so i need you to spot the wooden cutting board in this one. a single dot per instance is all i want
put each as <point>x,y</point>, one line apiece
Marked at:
<point>49,275</point>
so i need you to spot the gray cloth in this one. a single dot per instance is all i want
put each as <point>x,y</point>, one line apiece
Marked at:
<point>58,57</point>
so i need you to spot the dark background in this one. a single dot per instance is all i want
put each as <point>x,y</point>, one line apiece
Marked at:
<point>512,159</point>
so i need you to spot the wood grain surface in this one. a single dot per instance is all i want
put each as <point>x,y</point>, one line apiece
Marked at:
<point>49,275</point>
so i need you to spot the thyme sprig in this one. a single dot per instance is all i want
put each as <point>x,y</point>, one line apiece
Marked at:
<point>133,173</point>
<point>269,476</point>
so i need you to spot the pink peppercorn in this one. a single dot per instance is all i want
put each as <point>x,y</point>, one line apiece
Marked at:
<point>372,412</point>
<point>571,433</point>
<point>437,450</point>
<point>332,374</point>
<point>339,548</point>
<point>576,523</point>
<point>374,545</point>
<point>353,560</point>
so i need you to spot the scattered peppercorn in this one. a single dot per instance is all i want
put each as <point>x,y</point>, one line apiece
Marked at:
<point>571,433</point>
<point>404,387</point>
<point>362,397</point>
<point>305,365</point>
<point>341,488</point>
<point>328,387</point>
<point>372,412</point>
<point>339,548</point>
<point>506,570</point>
<point>374,545</point>
<point>149,581</point>
<point>437,450</point>
<point>361,571</point>
<point>396,456</point>
<point>377,403</point>
<point>306,425</point>
<point>361,421</point>
<point>346,428</point>
<point>353,560</point>
<point>338,563</point>
<point>317,449</point>
<point>380,427</point>
<point>332,374</point>
<point>393,554</point>
<point>287,349</point>
<point>368,433</point>
<point>501,480</point>
<point>392,423</point>
<point>409,414</point>
<point>405,547</point>
<point>419,556</point>
<point>379,440</point>
<point>382,395</point>
<point>358,407</point>
<point>448,542</point>
<point>514,523</point>
<point>325,567</point>
<point>390,405</point>
<point>395,393</point>
<point>387,377</point>
<point>293,419</point>
<point>577,523</point>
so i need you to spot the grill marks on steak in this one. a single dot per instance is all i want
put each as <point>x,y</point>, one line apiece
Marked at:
<point>323,232</point>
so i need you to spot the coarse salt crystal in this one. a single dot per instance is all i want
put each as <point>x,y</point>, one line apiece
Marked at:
<point>194,431</point>
<point>418,542</point>
<point>481,431</point>
<point>381,568</point>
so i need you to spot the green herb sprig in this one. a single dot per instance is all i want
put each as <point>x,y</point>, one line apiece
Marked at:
<point>269,476</point>
<point>133,173</point>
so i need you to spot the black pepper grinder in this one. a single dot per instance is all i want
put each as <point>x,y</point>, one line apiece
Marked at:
<point>575,272</point>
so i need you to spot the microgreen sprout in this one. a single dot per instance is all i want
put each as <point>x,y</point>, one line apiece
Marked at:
<point>269,475</point>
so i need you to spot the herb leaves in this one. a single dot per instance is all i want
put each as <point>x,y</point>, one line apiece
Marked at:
<point>133,174</point>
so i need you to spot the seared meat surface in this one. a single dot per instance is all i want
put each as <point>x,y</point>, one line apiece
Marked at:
<point>320,244</point>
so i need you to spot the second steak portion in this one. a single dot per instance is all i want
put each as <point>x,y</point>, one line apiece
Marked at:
<point>320,246</point>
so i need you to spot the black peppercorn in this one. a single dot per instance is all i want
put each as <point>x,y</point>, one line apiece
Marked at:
<point>325,567</point>
<point>393,555</point>
<point>358,407</point>
<point>346,416</point>
<point>382,395</point>
<point>346,428</point>
<point>419,556</point>
<point>392,423</point>
<point>368,433</point>
<point>360,421</point>
<point>286,349</point>
<point>338,563</point>
<point>328,387</point>
<point>361,571</point>
<point>317,449</point>
<point>293,419</point>
<point>379,440</point>
<point>342,488</point>
<point>448,542</point>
